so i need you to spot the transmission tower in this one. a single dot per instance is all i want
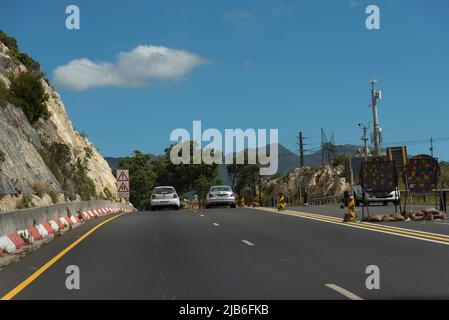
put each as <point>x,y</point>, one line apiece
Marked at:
<point>328,149</point>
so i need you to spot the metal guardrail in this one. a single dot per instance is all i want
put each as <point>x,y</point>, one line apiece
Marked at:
<point>326,200</point>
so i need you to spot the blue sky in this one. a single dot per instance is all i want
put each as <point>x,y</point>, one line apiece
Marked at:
<point>291,65</point>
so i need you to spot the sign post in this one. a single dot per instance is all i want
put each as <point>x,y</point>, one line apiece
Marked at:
<point>122,183</point>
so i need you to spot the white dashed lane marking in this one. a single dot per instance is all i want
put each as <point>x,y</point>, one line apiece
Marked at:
<point>348,294</point>
<point>248,243</point>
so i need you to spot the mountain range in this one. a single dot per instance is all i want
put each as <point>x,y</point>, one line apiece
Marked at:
<point>288,160</point>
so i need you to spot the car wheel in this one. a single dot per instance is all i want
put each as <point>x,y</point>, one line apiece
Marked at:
<point>385,203</point>
<point>233,206</point>
<point>153,208</point>
<point>177,208</point>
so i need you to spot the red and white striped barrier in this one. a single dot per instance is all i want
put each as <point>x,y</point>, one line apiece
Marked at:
<point>16,240</point>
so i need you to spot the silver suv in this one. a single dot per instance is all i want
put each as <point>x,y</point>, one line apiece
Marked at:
<point>220,196</point>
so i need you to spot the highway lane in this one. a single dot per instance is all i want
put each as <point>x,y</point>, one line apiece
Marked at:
<point>236,254</point>
<point>441,227</point>
<point>409,268</point>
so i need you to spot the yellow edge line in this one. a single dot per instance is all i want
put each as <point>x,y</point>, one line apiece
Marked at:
<point>11,294</point>
<point>360,225</point>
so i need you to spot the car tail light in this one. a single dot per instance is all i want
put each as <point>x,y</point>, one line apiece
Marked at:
<point>153,196</point>
<point>210,195</point>
<point>175,196</point>
<point>232,194</point>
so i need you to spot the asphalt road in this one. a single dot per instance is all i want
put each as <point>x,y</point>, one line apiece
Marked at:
<point>232,254</point>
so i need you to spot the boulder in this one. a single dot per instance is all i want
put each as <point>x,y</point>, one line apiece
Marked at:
<point>407,214</point>
<point>441,216</point>
<point>388,218</point>
<point>398,217</point>
<point>415,217</point>
<point>430,210</point>
<point>429,217</point>
<point>376,218</point>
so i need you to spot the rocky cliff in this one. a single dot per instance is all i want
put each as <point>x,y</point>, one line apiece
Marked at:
<point>320,182</point>
<point>45,161</point>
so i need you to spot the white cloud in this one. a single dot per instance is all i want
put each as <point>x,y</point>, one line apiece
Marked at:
<point>132,69</point>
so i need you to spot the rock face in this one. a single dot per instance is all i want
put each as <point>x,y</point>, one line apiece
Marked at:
<point>320,182</point>
<point>21,144</point>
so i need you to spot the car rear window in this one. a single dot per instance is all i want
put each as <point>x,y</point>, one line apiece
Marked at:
<point>164,191</point>
<point>215,189</point>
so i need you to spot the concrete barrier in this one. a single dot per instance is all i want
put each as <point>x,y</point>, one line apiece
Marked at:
<point>21,219</point>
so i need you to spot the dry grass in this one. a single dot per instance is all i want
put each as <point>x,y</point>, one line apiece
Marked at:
<point>41,188</point>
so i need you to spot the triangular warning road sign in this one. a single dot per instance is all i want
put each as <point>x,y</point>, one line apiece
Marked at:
<point>123,188</point>
<point>122,177</point>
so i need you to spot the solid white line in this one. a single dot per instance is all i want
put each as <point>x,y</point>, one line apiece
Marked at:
<point>248,243</point>
<point>343,292</point>
<point>216,224</point>
<point>374,230</point>
<point>316,218</point>
<point>409,229</point>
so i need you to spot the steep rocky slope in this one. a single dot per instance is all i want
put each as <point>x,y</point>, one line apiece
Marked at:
<point>36,159</point>
<point>320,182</point>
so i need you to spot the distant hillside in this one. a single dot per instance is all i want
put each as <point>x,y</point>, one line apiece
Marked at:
<point>288,160</point>
<point>346,150</point>
<point>113,162</point>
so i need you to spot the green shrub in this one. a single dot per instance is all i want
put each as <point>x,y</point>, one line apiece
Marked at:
<point>57,157</point>
<point>26,202</point>
<point>31,65</point>
<point>4,95</point>
<point>30,96</point>
<point>72,177</point>
<point>88,152</point>
<point>54,196</point>
<point>10,42</point>
<point>41,188</point>
<point>107,194</point>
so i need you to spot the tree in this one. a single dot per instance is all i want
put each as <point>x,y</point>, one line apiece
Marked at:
<point>142,179</point>
<point>189,177</point>
<point>29,95</point>
<point>8,41</point>
<point>244,175</point>
<point>31,65</point>
<point>234,172</point>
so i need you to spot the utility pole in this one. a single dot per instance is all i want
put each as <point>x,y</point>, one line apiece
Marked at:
<point>431,146</point>
<point>365,138</point>
<point>375,95</point>
<point>301,149</point>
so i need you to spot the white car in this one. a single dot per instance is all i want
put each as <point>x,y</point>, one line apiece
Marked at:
<point>164,197</point>
<point>394,196</point>
<point>220,196</point>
